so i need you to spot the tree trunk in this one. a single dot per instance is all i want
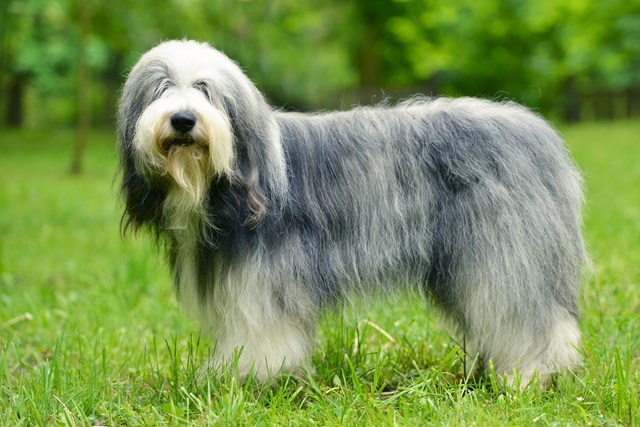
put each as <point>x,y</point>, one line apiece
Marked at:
<point>369,62</point>
<point>83,91</point>
<point>572,111</point>
<point>111,83</point>
<point>15,100</point>
<point>633,102</point>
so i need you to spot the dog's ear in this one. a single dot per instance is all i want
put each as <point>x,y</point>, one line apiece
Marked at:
<point>249,181</point>
<point>142,201</point>
<point>250,125</point>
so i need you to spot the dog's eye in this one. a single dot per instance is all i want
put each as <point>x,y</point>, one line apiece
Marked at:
<point>202,87</point>
<point>161,88</point>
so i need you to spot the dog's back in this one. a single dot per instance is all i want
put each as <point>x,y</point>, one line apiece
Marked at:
<point>476,201</point>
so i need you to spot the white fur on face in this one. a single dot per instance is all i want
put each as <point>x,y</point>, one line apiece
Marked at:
<point>191,166</point>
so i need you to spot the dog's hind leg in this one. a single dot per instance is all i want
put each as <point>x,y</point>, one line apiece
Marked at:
<point>507,272</point>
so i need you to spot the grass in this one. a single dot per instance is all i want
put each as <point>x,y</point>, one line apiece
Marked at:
<point>90,333</point>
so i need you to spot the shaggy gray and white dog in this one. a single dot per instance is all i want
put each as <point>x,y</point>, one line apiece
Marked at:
<point>269,217</point>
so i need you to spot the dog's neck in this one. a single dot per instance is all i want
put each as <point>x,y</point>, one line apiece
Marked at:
<point>183,214</point>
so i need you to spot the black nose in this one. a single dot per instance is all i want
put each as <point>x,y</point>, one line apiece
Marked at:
<point>183,121</point>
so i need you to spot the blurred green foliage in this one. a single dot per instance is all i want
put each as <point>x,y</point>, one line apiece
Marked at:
<point>573,59</point>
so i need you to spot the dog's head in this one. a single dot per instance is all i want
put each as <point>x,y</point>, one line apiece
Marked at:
<point>188,117</point>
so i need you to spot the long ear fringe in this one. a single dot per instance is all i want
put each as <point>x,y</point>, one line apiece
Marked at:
<point>142,204</point>
<point>259,171</point>
<point>256,200</point>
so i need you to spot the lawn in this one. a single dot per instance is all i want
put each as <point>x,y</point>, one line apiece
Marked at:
<point>91,334</point>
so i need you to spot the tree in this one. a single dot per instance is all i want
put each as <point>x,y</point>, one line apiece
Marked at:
<point>83,89</point>
<point>553,56</point>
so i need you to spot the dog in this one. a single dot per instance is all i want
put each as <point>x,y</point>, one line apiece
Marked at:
<point>269,217</point>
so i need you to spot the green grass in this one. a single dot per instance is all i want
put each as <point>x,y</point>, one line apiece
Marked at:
<point>90,332</point>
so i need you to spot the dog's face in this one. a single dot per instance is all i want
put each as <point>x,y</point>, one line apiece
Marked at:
<point>188,118</point>
<point>182,132</point>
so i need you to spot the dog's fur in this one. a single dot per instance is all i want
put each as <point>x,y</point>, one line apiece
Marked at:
<point>270,216</point>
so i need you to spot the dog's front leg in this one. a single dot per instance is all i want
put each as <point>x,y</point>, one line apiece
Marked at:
<point>263,341</point>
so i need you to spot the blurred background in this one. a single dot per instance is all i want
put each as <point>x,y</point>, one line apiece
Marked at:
<point>62,62</point>
<point>81,309</point>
